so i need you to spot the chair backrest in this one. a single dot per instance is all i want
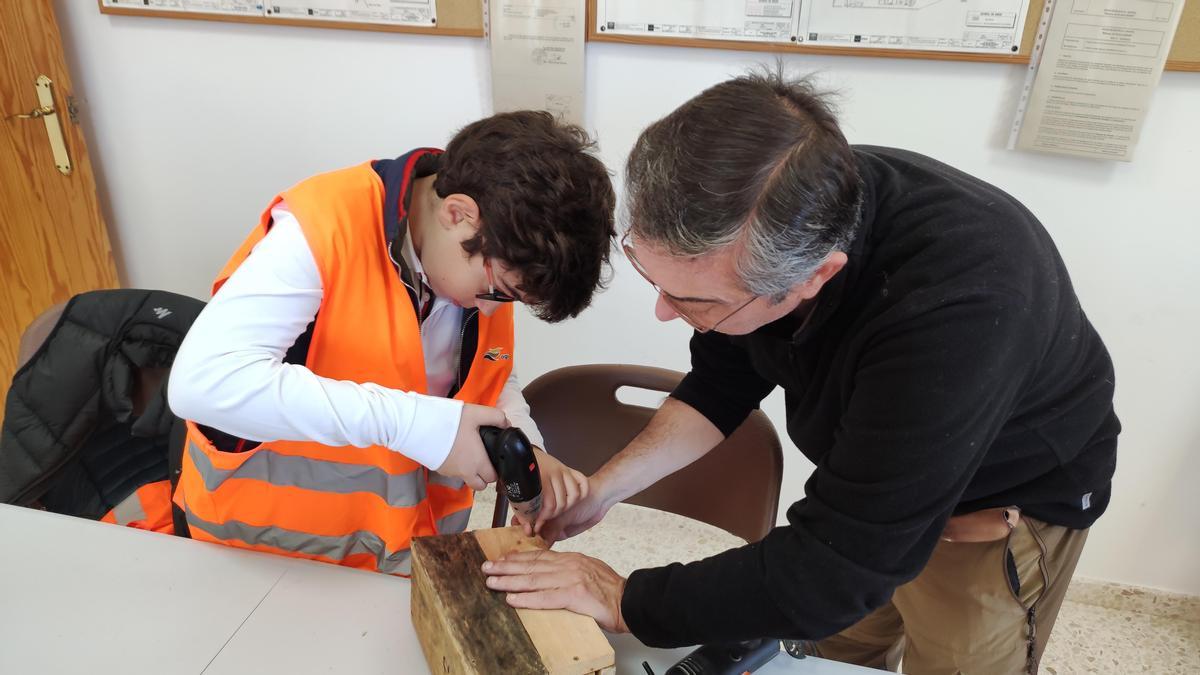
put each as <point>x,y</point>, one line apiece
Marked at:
<point>36,333</point>
<point>734,487</point>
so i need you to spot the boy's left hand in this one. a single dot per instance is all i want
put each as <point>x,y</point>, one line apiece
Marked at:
<point>562,488</point>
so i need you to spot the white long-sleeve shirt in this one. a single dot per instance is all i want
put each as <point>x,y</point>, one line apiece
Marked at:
<point>229,372</point>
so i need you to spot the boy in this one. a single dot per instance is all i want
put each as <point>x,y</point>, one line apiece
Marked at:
<point>361,335</point>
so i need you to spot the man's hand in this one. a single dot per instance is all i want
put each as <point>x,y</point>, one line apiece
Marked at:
<point>552,580</point>
<point>468,460</point>
<point>577,517</point>
<point>676,436</point>
<point>562,488</point>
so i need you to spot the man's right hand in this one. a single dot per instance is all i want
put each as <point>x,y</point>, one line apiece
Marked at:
<point>578,518</point>
<point>468,460</point>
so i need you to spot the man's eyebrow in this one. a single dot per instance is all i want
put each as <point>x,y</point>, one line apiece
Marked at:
<point>676,298</point>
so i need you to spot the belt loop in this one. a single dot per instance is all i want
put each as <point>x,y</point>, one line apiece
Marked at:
<point>1012,516</point>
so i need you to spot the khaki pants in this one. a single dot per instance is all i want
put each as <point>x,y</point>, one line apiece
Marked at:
<point>963,614</point>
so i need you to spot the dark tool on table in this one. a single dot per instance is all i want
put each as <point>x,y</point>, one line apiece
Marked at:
<point>728,658</point>
<point>512,456</point>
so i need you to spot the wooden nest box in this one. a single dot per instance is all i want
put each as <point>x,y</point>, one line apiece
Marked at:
<point>465,628</point>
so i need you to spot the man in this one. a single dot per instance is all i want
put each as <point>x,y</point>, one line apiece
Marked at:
<point>938,371</point>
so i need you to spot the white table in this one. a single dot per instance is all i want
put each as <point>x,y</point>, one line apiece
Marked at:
<point>78,596</point>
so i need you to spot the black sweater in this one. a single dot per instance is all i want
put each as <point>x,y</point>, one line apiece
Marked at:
<point>947,368</point>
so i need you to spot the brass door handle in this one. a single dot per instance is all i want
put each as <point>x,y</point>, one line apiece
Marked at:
<point>34,114</point>
<point>48,114</point>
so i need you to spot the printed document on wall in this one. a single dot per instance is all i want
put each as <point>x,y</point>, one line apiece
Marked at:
<point>1100,65</point>
<point>980,26</point>
<point>747,20</point>
<point>537,56</point>
<point>231,7</point>
<point>392,12</point>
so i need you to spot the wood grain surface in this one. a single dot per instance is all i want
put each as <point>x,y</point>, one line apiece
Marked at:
<point>53,240</point>
<point>464,627</point>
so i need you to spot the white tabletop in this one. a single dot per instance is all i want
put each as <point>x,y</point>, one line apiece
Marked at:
<point>78,596</point>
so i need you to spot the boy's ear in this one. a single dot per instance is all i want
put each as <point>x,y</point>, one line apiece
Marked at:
<point>459,210</point>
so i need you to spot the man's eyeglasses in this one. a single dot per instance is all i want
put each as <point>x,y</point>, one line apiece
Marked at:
<point>492,294</point>
<point>691,316</point>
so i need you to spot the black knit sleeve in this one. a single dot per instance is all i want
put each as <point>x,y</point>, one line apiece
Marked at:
<point>722,384</point>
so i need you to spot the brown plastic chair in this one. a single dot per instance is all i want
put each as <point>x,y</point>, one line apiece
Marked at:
<point>734,487</point>
<point>36,333</point>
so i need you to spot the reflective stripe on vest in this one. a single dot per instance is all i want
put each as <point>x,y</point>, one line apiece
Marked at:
<point>452,483</point>
<point>146,508</point>
<point>396,490</point>
<point>333,548</point>
<point>128,511</point>
<point>455,522</point>
<point>336,548</point>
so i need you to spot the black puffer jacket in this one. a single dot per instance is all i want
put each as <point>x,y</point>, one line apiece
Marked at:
<point>71,439</point>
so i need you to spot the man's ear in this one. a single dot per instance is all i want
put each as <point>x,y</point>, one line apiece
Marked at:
<point>459,210</point>
<point>828,269</point>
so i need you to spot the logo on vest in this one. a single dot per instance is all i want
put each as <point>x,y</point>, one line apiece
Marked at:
<point>496,354</point>
<point>162,312</point>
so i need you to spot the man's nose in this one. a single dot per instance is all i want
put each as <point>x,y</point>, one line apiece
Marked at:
<point>663,310</point>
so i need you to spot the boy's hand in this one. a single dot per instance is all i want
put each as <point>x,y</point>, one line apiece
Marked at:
<point>468,460</point>
<point>562,488</point>
<point>568,522</point>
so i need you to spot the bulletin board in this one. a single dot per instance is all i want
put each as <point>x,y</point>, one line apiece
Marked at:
<point>1184,54</point>
<point>454,17</point>
<point>465,18</point>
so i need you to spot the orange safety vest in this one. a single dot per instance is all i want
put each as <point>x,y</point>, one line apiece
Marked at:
<point>351,506</point>
<point>146,508</point>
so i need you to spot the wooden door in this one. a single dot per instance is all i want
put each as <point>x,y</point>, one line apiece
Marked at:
<point>53,241</point>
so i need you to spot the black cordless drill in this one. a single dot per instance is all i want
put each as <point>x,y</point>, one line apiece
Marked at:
<point>512,456</point>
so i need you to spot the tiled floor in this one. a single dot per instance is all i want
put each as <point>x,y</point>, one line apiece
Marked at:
<point>1124,634</point>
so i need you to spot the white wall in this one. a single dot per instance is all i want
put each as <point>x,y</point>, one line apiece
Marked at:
<point>195,125</point>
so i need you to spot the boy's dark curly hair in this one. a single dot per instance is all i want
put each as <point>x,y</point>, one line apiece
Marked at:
<point>546,205</point>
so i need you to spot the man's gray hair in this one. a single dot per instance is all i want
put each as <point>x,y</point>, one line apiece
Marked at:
<point>758,160</point>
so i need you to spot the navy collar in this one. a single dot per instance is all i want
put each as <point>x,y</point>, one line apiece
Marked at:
<point>398,176</point>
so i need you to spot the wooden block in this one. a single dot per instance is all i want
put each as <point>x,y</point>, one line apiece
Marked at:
<point>568,642</point>
<point>465,628</point>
